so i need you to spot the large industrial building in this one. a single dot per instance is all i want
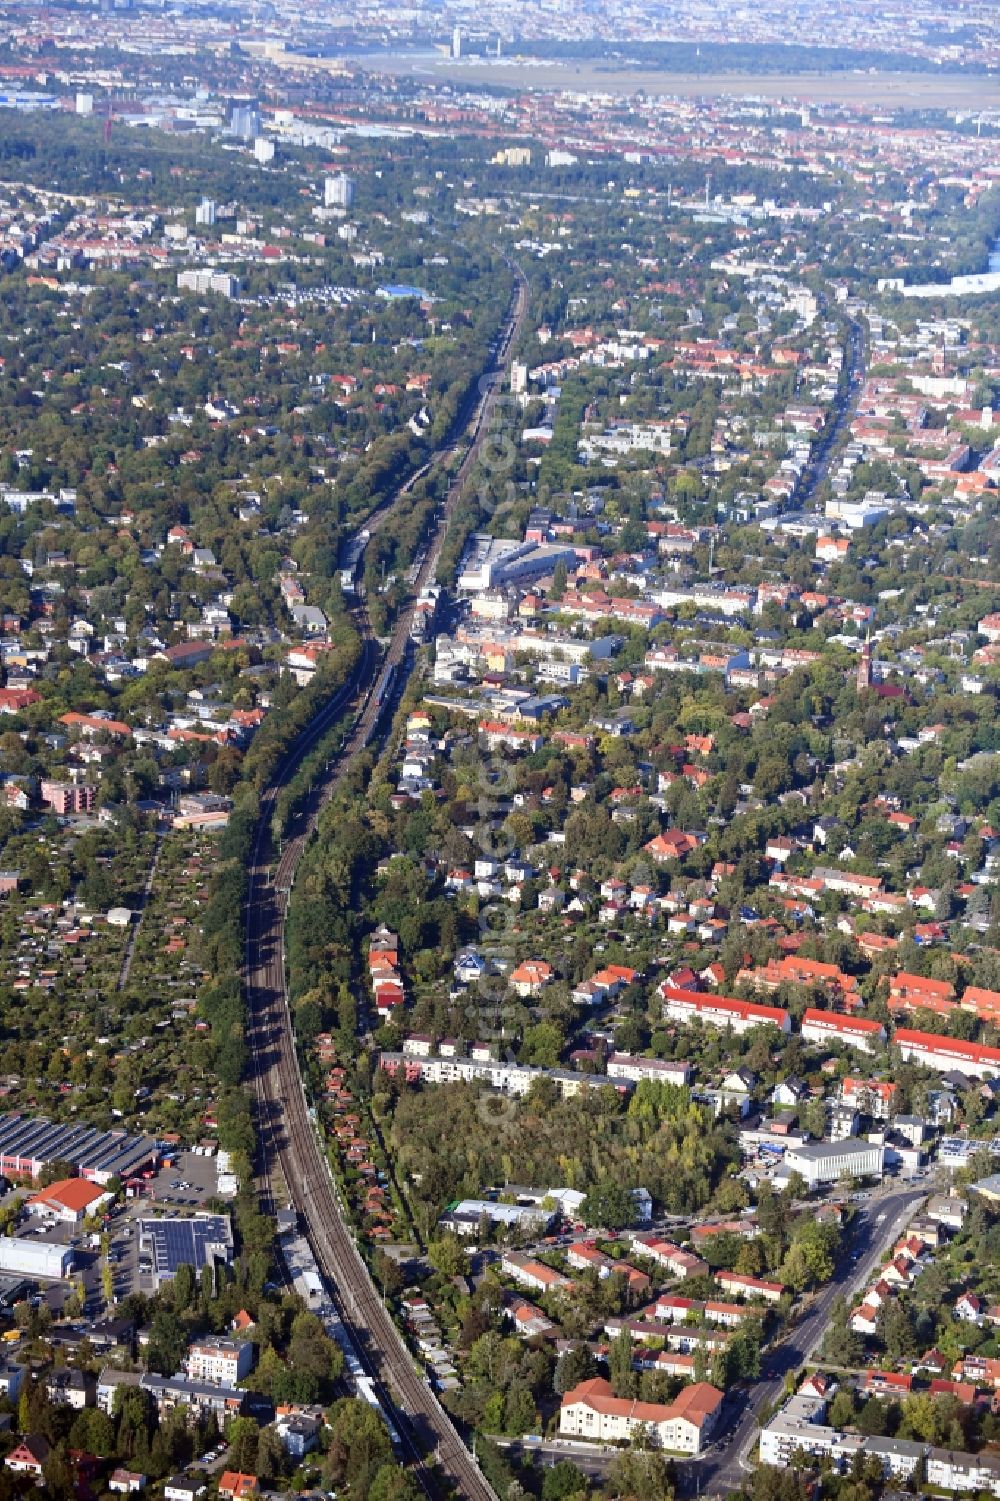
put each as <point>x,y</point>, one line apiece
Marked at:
<point>29,1144</point>
<point>500,562</point>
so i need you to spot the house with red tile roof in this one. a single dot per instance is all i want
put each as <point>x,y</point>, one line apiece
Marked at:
<point>678,1262</point>
<point>29,1456</point>
<point>532,1273</point>
<point>233,1485</point>
<point>887,1383</point>
<point>531,976</point>
<point>750,1287</point>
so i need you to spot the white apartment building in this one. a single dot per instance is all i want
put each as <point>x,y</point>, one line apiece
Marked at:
<point>591,1411</point>
<point>670,1071</point>
<point>801,1425</point>
<point>224,1362</point>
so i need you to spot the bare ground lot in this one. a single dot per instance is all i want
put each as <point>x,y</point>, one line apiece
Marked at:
<point>899,90</point>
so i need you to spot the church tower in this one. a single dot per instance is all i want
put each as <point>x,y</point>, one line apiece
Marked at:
<point>865,666</point>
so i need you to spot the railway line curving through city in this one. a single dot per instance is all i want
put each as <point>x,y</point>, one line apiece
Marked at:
<point>289,1148</point>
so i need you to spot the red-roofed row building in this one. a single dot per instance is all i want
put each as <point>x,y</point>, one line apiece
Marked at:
<point>853,1031</point>
<point>721,1011</point>
<point>945,1053</point>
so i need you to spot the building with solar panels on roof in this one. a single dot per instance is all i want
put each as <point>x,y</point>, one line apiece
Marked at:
<point>200,1240</point>
<point>29,1144</point>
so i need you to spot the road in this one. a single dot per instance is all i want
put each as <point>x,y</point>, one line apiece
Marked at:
<point>289,1144</point>
<point>139,913</point>
<point>844,409</point>
<point>875,1228</point>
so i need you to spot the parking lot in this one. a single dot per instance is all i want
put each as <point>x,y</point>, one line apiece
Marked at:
<point>189,1183</point>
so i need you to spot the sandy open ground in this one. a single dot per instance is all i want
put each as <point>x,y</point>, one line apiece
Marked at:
<point>902,90</point>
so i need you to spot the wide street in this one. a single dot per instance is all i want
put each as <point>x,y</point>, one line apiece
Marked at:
<point>838,425</point>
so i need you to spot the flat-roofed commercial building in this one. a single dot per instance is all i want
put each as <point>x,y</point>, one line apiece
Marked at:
<point>34,1258</point>
<point>826,1161</point>
<point>201,1240</point>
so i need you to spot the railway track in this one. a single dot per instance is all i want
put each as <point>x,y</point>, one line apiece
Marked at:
<point>289,1145</point>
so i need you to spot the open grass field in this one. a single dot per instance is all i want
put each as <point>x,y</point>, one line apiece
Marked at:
<point>899,90</point>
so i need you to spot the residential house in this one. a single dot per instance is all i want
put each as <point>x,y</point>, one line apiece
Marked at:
<point>29,1456</point>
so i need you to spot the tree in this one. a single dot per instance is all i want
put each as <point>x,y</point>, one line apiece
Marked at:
<point>93,1431</point>
<point>167,1342</point>
<point>573,1366</point>
<point>872,1418</point>
<point>133,1413</point>
<point>270,1458</point>
<point>393,1483</point>
<point>894,1328</point>
<point>608,1205</point>
<point>841,1346</point>
<point>388,1274</point>
<point>359,1445</point>
<point>818,1241</point>
<point>842,1408</point>
<point>731,1196</point>
<point>563,1480</point>
<point>183,1286</point>
<point>813,1117</point>
<point>312,1353</point>
<point>743,1354</point>
<point>520,1413</point>
<point>623,1377</point>
<point>794,1271</point>
<point>448,1256</point>
<point>58,1475</point>
<point>796,1187</point>
<point>543,1044</point>
<point>243,1435</point>
<point>207,1283</point>
<point>640,1476</point>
